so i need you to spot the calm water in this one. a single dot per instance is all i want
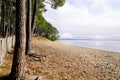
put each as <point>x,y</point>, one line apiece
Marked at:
<point>109,45</point>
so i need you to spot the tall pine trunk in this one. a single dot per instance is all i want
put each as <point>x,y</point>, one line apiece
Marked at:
<point>28,28</point>
<point>0,19</point>
<point>17,71</point>
<point>34,14</point>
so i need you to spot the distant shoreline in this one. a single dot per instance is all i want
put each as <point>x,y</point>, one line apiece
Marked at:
<point>94,39</point>
<point>100,44</point>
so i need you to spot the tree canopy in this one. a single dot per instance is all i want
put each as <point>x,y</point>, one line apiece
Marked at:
<point>7,20</point>
<point>44,28</point>
<point>57,3</point>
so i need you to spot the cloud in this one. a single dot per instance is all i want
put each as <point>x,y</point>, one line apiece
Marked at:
<point>86,17</point>
<point>66,35</point>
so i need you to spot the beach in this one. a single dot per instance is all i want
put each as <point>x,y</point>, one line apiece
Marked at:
<point>55,61</point>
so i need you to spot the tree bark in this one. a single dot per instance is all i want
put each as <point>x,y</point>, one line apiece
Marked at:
<point>33,14</point>
<point>28,28</point>
<point>0,19</point>
<point>2,32</point>
<point>17,71</point>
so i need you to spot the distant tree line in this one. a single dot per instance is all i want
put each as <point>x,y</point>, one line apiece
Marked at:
<point>44,28</point>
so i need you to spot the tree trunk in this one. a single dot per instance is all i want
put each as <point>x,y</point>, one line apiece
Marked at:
<point>34,13</point>
<point>2,32</point>
<point>0,19</point>
<point>17,71</point>
<point>28,28</point>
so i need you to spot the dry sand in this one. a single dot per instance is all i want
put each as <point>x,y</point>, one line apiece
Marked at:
<point>54,61</point>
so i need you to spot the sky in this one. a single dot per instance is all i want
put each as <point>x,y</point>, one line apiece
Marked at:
<point>86,19</point>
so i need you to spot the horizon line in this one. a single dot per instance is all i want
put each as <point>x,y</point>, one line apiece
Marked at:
<point>86,39</point>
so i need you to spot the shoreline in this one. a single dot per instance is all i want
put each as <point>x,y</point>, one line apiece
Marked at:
<point>56,61</point>
<point>94,45</point>
<point>88,47</point>
<point>69,62</point>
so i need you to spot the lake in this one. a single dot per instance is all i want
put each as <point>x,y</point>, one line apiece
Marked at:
<point>108,45</point>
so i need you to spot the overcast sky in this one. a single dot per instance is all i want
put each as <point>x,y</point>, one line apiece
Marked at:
<point>99,19</point>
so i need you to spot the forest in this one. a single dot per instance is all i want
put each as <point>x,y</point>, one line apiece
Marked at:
<point>41,27</point>
<point>23,18</point>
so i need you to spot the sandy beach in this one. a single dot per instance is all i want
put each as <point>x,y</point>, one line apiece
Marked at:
<point>55,61</point>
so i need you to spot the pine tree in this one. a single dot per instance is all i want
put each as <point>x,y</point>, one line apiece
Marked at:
<point>17,71</point>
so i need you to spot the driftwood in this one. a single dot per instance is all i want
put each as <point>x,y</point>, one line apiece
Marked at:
<point>35,57</point>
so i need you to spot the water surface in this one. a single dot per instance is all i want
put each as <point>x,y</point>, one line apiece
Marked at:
<point>108,45</point>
